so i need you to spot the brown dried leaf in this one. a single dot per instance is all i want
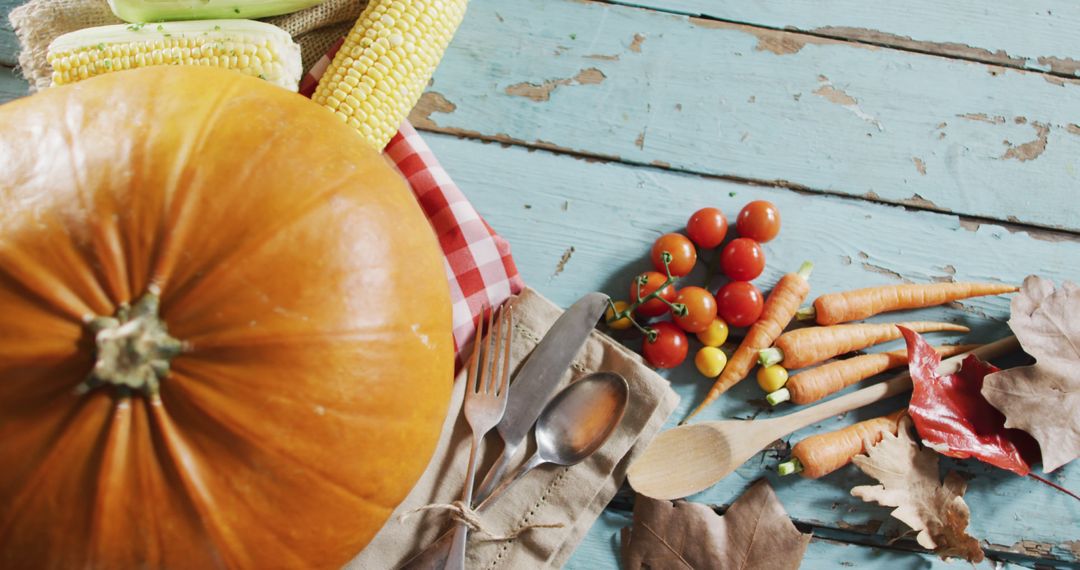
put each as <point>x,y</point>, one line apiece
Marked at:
<point>909,481</point>
<point>755,532</point>
<point>1044,399</point>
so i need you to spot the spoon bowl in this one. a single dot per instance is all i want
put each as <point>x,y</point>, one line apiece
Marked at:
<point>581,417</point>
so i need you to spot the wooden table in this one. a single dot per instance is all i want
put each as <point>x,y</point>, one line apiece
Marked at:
<point>902,141</point>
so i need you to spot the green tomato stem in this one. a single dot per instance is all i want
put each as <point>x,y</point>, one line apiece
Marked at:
<point>770,356</point>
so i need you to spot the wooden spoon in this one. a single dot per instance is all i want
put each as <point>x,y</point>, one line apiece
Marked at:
<point>691,458</point>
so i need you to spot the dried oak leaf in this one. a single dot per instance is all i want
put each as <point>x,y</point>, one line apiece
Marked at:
<point>909,482</point>
<point>1044,399</point>
<point>754,533</point>
<point>952,416</point>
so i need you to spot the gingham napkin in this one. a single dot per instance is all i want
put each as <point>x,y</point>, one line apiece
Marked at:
<point>478,262</point>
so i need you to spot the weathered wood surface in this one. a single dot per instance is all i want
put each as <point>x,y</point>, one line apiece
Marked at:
<point>9,45</point>
<point>604,217</point>
<point>772,107</point>
<point>666,94</point>
<point>994,32</point>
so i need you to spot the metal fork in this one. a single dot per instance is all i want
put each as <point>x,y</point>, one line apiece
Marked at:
<point>485,401</point>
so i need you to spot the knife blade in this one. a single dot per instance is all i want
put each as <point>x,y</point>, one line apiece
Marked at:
<point>536,381</point>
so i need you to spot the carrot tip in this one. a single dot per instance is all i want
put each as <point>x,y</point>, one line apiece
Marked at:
<point>806,269</point>
<point>806,313</point>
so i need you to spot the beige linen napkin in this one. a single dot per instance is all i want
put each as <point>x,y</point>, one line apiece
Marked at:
<point>573,496</point>
<point>38,22</point>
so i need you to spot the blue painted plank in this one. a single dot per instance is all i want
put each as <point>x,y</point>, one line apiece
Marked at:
<point>610,213</point>
<point>11,85</point>
<point>1040,35</point>
<point>775,107</point>
<point>9,44</point>
<point>601,550</point>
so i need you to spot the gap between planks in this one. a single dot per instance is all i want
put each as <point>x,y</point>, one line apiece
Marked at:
<point>419,119</point>
<point>869,37</point>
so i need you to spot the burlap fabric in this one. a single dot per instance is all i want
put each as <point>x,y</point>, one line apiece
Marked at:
<point>38,22</point>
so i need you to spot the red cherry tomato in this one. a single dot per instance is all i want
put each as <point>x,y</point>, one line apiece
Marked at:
<point>742,259</point>
<point>707,227</point>
<point>700,309</point>
<point>653,307</point>
<point>670,347</point>
<point>759,220</point>
<point>683,254</point>
<point>739,303</point>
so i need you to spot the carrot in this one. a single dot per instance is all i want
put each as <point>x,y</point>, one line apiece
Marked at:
<point>802,347</point>
<point>778,311</point>
<point>834,308</point>
<point>821,454</point>
<point>814,384</point>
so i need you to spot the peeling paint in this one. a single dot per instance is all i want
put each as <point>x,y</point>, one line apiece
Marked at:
<point>919,202</point>
<point>541,92</point>
<point>983,117</point>
<point>954,49</point>
<point>563,261</point>
<point>1031,149</point>
<point>1020,120</point>
<point>430,102</point>
<point>635,44</point>
<point>640,140</point>
<point>883,270</point>
<point>602,57</point>
<point>1073,128</point>
<point>833,94</point>
<point>919,165</point>
<point>1073,546</point>
<point>1062,65</point>
<point>661,163</point>
<point>779,43</point>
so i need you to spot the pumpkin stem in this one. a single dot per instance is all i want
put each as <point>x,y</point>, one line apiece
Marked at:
<point>133,347</point>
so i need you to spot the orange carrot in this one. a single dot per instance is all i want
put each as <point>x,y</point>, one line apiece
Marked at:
<point>814,384</point>
<point>802,347</point>
<point>835,308</point>
<point>821,454</point>
<point>778,311</point>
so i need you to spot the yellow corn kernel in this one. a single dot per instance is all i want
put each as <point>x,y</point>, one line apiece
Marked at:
<point>265,51</point>
<point>386,60</point>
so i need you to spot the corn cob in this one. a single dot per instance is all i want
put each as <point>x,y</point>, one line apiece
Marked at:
<point>386,61</point>
<point>252,48</point>
<point>164,10</point>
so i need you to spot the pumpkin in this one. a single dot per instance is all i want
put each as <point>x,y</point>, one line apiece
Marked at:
<point>225,332</point>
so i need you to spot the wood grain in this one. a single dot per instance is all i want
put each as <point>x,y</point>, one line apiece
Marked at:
<point>773,107</point>
<point>610,213</point>
<point>993,32</point>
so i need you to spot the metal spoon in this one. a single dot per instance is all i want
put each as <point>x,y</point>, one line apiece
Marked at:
<point>573,425</point>
<point>576,422</point>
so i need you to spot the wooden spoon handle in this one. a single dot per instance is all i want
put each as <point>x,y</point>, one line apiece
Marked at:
<point>896,385</point>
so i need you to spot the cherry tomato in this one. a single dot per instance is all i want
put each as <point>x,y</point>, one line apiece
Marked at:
<point>670,347</point>
<point>759,220</point>
<point>707,227</point>
<point>715,334</point>
<point>621,324</point>
<point>654,307</point>
<point>739,303</point>
<point>710,361</point>
<point>742,259</point>
<point>683,254</point>
<point>700,309</point>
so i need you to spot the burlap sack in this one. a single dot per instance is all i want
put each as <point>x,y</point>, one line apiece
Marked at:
<point>38,22</point>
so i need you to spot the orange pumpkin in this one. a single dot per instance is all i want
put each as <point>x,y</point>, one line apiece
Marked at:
<point>225,333</point>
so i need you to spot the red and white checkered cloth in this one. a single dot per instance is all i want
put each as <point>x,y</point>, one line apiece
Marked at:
<point>478,262</point>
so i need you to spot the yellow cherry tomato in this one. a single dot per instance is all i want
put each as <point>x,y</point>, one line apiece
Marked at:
<point>771,378</point>
<point>715,335</point>
<point>710,361</point>
<point>621,324</point>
